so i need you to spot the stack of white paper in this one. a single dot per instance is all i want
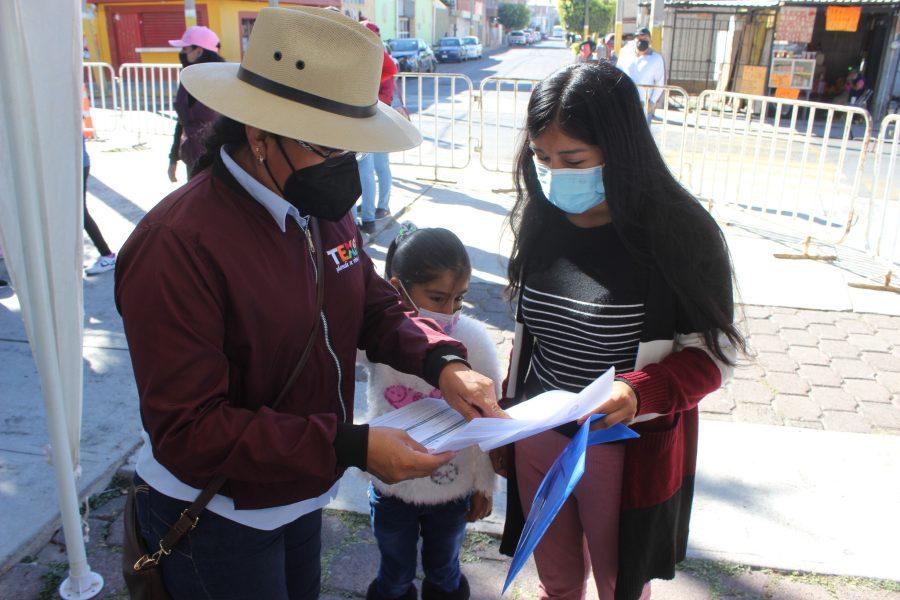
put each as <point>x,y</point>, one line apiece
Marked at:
<point>435,425</point>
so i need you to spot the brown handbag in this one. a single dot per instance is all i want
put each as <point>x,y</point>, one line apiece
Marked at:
<point>140,567</point>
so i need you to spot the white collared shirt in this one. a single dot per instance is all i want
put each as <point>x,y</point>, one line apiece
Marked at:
<point>278,207</point>
<point>643,69</point>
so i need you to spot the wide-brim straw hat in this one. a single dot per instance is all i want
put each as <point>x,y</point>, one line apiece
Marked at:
<point>310,74</point>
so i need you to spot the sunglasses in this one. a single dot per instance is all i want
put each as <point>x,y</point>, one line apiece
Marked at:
<point>329,153</point>
<point>323,151</point>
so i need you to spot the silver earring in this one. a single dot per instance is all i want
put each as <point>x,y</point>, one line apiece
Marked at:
<point>259,157</point>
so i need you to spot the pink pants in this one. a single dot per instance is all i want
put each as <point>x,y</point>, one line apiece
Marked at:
<point>585,533</point>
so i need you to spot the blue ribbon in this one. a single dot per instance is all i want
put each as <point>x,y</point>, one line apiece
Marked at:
<point>557,485</point>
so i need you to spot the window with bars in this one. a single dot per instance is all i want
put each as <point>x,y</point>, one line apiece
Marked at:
<point>403,27</point>
<point>698,46</point>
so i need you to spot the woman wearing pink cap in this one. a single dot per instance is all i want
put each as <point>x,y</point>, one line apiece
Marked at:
<point>195,120</point>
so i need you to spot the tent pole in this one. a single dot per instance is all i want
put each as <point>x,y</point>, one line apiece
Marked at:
<point>81,583</point>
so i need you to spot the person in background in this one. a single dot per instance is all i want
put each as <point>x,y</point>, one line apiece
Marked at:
<point>377,163</point>
<point>3,282</point>
<point>107,260</point>
<point>430,268</point>
<point>586,50</point>
<point>195,120</point>
<point>610,43</point>
<point>855,86</point>
<point>645,67</point>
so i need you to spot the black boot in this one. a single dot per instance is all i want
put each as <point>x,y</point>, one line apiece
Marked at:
<point>372,594</point>
<point>432,592</point>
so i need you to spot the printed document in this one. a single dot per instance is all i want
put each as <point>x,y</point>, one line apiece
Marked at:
<point>438,427</point>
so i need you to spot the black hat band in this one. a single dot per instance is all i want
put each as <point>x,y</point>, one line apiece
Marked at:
<point>289,93</point>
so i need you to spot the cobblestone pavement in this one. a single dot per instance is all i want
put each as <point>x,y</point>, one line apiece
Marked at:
<point>350,560</point>
<point>838,371</point>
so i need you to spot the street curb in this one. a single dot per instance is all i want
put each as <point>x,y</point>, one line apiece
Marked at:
<point>43,537</point>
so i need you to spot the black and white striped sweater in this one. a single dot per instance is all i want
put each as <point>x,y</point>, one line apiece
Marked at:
<point>587,305</point>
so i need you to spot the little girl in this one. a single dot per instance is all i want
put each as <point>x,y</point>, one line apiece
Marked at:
<point>431,269</point>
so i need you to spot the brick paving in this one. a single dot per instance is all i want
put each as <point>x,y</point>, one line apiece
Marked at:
<point>350,561</point>
<point>830,370</point>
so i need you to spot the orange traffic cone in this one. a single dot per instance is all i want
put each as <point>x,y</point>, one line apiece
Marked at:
<point>87,124</point>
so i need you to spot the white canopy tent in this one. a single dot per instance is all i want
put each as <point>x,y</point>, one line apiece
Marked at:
<point>41,228</point>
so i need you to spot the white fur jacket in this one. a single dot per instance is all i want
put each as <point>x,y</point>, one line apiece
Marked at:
<point>389,389</point>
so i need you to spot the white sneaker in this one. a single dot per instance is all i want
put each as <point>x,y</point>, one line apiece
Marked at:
<point>103,264</point>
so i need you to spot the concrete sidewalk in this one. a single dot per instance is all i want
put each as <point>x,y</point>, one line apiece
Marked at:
<point>350,559</point>
<point>782,496</point>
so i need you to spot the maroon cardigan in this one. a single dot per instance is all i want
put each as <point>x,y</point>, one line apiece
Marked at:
<point>660,466</point>
<point>218,304</point>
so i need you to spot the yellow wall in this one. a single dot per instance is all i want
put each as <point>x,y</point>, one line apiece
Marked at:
<point>223,19</point>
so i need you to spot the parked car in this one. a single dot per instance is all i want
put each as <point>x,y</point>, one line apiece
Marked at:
<point>451,49</point>
<point>532,36</point>
<point>473,46</point>
<point>413,55</point>
<point>518,38</point>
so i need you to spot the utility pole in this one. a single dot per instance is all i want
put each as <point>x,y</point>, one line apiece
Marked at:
<point>190,13</point>
<point>620,13</point>
<point>587,19</point>
<point>657,20</point>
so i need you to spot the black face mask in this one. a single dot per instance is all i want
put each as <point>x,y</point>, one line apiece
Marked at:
<point>643,45</point>
<point>327,190</point>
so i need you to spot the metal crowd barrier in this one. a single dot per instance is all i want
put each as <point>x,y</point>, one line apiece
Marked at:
<point>504,106</point>
<point>148,97</point>
<point>763,156</point>
<point>883,218</point>
<point>668,116</point>
<point>440,106</point>
<point>102,87</point>
<point>769,157</point>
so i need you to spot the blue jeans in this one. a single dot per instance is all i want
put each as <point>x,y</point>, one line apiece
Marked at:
<point>397,526</point>
<point>222,559</point>
<point>375,162</point>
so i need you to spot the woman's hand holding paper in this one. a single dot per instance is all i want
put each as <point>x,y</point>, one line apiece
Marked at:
<point>621,407</point>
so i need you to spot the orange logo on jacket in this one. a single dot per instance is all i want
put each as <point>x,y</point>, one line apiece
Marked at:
<point>345,255</point>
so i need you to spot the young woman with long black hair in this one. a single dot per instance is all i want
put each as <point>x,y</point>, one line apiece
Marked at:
<point>614,264</point>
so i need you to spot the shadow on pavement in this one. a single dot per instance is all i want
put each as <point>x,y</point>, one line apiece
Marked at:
<point>449,197</point>
<point>115,200</point>
<point>852,261</point>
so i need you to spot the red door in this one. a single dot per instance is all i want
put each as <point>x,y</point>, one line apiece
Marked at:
<point>145,26</point>
<point>126,34</point>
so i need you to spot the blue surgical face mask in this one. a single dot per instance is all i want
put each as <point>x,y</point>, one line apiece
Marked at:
<point>572,190</point>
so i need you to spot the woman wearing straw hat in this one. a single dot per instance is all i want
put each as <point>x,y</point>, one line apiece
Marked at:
<point>245,295</point>
<point>195,120</point>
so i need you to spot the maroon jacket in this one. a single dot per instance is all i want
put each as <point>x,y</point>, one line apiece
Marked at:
<point>218,304</point>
